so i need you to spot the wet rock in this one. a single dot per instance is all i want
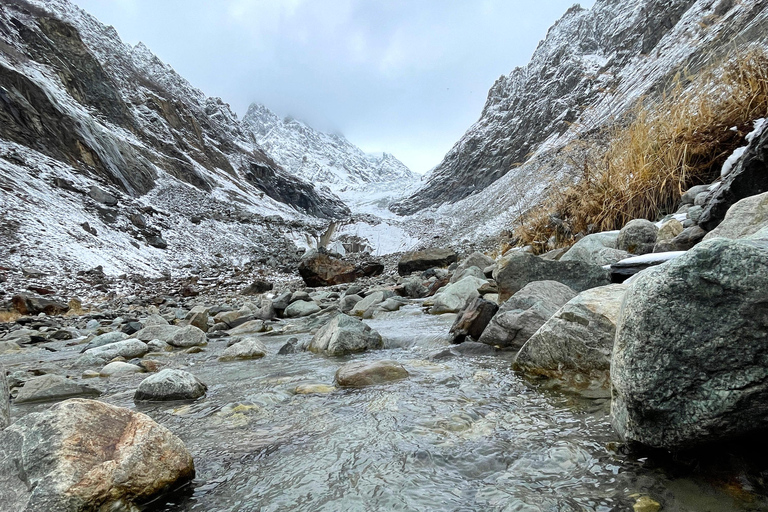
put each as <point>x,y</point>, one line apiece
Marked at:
<point>250,327</point>
<point>314,389</point>
<point>8,347</point>
<point>257,287</point>
<point>392,304</point>
<point>344,335</point>
<point>5,404</point>
<point>30,305</point>
<point>83,455</point>
<point>522,268</point>
<point>578,338</point>
<point>417,261</point>
<point>102,196</point>
<point>288,348</point>
<point>596,249</point>
<point>249,348</point>
<point>690,363</point>
<point>522,314</point>
<point>301,308</point>
<point>52,387</point>
<point>359,374</point>
<point>170,384</point>
<point>472,320</point>
<point>119,368</point>
<point>413,288</point>
<point>371,301</point>
<point>321,269</point>
<point>127,348</point>
<point>744,218</point>
<point>454,297</point>
<point>474,348</point>
<point>637,237</point>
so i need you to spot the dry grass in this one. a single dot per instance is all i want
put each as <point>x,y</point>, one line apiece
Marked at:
<point>9,316</point>
<point>679,141</point>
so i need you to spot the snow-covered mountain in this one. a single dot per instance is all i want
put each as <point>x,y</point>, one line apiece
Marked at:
<point>107,155</point>
<point>330,160</point>
<point>587,74</point>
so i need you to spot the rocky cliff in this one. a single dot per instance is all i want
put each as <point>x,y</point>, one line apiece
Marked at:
<point>585,75</point>
<point>94,131</point>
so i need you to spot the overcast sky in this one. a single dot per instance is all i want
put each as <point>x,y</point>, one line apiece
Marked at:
<point>403,76</point>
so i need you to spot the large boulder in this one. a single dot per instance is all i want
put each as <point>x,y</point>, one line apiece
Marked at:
<point>359,374</point>
<point>27,304</point>
<point>249,348</point>
<point>521,315</point>
<point>170,384</point>
<point>371,301</point>
<point>344,335</point>
<point>301,308</point>
<point>417,261</point>
<point>319,268</point>
<point>473,319</point>
<point>744,218</point>
<point>522,268</point>
<point>596,249</point>
<point>51,387</point>
<point>188,336</point>
<point>84,455</point>
<point>198,316</point>
<point>454,297</point>
<point>690,360</point>
<point>578,338</point>
<point>637,237</point>
<point>747,178</point>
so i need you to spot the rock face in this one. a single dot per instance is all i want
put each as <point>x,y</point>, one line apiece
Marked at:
<point>344,335</point>
<point>522,268</point>
<point>83,455</point>
<point>423,260</point>
<point>473,319</point>
<point>359,374</point>
<point>578,338</point>
<point>52,387</point>
<point>747,178</point>
<point>170,384</point>
<point>744,218</point>
<point>521,316</point>
<point>690,361</point>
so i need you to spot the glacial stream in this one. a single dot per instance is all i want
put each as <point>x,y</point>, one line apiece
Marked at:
<point>461,434</point>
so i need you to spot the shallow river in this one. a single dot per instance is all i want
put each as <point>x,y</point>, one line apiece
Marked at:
<point>461,434</point>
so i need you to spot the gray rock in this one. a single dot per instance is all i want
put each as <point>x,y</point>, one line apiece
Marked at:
<point>454,297</point>
<point>8,347</point>
<point>301,308</point>
<point>370,301</point>
<point>522,268</point>
<point>521,316</point>
<point>288,348</point>
<point>159,346</point>
<point>413,288</point>
<point>744,218</point>
<point>694,214</point>
<point>344,335</point>
<point>392,304</point>
<point>668,231</point>
<point>472,320</point>
<point>106,339</point>
<point>359,374</point>
<point>637,237</point>
<point>127,348</point>
<point>461,273</point>
<point>189,336</point>
<point>85,455</point>
<point>101,196</point>
<point>154,319</point>
<point>578,338</point>
<point>52,387</point>
<point>5,403</point>
<point>624,269</point>
<point>198,316</point>
<point>250,327</point>
<point>476,259</point>
<point>596,249</point>
<point>690,361</point>
<point>689,197</point>
<point>156,332</point>
<point>348,302</point>
<point>118,368</point>
<point>249,348</point>
<point>170,384</point>
<point>417,261</point>
<point>701,198</point>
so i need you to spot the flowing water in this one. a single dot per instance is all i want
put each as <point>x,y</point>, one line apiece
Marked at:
<point>461,434</point>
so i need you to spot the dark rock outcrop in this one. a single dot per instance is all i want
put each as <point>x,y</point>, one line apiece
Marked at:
<point>417,261</point>
<point>473,319</point>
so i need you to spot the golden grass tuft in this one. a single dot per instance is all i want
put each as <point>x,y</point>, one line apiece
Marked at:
<point>9,316</point>
<point>671,144</point>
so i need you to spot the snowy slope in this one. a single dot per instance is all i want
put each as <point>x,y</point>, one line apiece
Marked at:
<point>588,73</point>
<point>81,109</point>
